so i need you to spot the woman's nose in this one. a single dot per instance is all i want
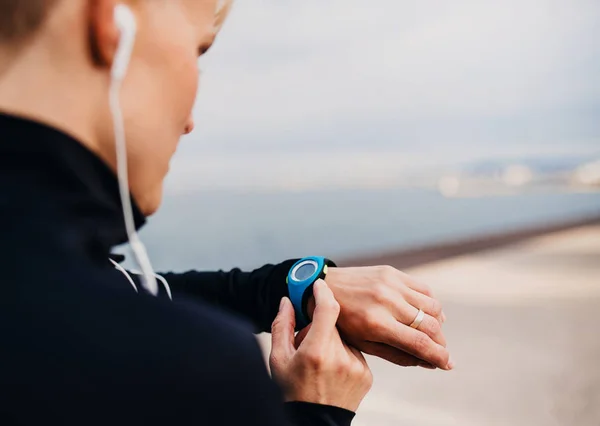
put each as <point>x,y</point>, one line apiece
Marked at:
<point>189,126</point>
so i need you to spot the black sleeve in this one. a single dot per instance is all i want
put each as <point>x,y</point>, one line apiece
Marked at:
<point>304,413</point>
<point>253,295</point>
<point>235,384</point>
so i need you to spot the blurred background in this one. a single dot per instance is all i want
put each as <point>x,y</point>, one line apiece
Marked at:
<point>367,130</point>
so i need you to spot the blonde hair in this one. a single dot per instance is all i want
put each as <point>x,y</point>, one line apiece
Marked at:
<point>223,8</point>
<point>20,19</point>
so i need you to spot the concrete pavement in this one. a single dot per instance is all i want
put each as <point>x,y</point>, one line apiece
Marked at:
<point>524,332</point>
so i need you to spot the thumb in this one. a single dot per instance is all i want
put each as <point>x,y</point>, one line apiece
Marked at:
<point>282,333</point>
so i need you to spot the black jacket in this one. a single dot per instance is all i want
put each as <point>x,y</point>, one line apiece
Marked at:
<point>79,347</point>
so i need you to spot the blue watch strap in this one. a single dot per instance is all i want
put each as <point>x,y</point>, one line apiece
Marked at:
<point>300,280</point>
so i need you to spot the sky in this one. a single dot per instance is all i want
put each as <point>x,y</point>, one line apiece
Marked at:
<point>300,92</point>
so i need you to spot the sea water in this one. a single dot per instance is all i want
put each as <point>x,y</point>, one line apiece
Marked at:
<point>225,229</point>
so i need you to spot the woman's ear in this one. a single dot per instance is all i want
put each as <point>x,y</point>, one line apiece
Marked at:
<point>103,32</point>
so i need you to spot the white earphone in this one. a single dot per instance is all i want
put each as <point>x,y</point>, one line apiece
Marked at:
<point>126,23</point>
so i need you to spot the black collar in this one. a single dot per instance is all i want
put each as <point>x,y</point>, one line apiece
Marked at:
<point>39,164</point>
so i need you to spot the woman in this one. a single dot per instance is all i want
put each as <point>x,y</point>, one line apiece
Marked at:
<point>79,346</point>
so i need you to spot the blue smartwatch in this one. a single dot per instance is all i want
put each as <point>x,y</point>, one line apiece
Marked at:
<point>300,282</point>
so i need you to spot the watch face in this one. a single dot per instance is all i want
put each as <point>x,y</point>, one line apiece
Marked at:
<point>305,271</point>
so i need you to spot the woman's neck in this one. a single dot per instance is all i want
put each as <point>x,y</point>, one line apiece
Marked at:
<point>64,94</point>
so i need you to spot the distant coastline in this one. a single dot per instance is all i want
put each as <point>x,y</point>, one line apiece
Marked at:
<point>417,256</point>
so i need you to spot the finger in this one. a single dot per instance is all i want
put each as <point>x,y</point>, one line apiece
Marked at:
<point>422,288</point>
<point>282,332</point>
<point>407,313</point>
<point>433,329</point>
<point>394,355</point>
<point>416,343</point>
<point>327,311</point>
<point>429,305</point>
<point>417,285</point>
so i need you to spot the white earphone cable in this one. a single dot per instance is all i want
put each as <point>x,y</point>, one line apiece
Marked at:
<point>160,278</point>
<point>127,274</point>
<point>126,23</point>
<point>137,247</point>
<point>124,272</point>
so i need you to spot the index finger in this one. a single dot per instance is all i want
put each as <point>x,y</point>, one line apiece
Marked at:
<point>325,316</point>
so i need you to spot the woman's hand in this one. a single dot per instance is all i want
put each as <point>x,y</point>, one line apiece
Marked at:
<point>317,366</point>
<point>378,304</point>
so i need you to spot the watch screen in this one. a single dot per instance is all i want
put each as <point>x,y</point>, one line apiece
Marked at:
<point>305,271</point>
